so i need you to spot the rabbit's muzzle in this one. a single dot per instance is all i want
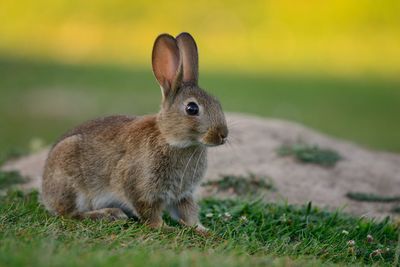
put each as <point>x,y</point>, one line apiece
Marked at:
<point>215,136</point>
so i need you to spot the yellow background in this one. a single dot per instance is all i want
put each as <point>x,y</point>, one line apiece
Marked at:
<point>343,37</point>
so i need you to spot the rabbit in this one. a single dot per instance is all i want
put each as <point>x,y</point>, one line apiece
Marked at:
<point>119,167</point>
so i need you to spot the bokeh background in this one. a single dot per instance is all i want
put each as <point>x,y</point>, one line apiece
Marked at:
<point>331,65</point>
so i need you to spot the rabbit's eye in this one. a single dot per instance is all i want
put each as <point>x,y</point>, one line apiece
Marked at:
<point>192,109</point>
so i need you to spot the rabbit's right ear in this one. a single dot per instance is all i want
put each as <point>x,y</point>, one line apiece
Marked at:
<point>190,58</point>
<point>167,65</point>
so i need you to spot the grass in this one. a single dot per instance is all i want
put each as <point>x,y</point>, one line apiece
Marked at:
<point>396,209</point>
<point>43,99</point>
<point>370,197</point>
<point>11,153</point>
<point>245,233</point>
<point>311,154</point>
<point>10,178</point>
<point>240,185</point>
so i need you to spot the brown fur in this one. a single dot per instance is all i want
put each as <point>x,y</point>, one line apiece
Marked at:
<point>122,166</point>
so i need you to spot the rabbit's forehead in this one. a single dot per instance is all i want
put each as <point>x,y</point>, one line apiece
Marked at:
<point>198,96</point>
<point>191,99</point>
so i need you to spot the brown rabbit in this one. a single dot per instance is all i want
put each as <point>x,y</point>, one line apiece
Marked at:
<point>121,166</point>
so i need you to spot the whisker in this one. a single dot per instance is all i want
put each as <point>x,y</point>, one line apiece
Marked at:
<point>195,168</point>
<point>233,139</point>
<point>236,155</point>
<point>184,171</point>
<point>234,122</point>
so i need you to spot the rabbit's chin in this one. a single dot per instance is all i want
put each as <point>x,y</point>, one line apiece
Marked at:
<point>184,143</point>
<point>211,145</point>
<point>191,143</point>
<point>212,142</point>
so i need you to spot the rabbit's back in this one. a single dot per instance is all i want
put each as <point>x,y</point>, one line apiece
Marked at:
<point>105,125</point>
<point>84,161</point>
<point>93,151</point>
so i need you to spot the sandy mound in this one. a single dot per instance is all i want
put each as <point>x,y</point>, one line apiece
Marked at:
<point>254,142</point>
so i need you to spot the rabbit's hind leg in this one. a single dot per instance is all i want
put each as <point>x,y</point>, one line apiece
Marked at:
<point>61,172</point>
<point>109,214</point>
<point>104,205</point>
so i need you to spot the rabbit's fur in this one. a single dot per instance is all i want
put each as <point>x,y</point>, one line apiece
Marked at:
<point>120,166</point>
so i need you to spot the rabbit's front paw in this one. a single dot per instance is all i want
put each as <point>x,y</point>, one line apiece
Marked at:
<point>201,230</point>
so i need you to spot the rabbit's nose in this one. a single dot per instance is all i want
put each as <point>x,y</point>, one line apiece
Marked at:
<point>223,134</point>
<point>222,137</point>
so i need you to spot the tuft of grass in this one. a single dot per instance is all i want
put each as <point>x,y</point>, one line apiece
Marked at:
<point>311,154</point>
<point>11,153</point>
<point>9,178</point>
<point>244,233</point>
<point>396,209</point>
<point>370,197</point>
<point>241,185</point>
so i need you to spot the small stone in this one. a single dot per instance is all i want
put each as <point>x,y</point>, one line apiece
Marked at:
<point>231,191</point>
<point>243,219</point>
<point>227,216</point>
<point>351,243</point>
<point>113,236</point>
<point>377,252</point>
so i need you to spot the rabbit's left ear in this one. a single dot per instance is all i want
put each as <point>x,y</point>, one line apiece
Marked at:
<point>189,56</point>
<point>167,65</point>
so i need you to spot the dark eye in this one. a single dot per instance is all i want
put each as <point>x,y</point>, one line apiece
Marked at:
<point>192,109</point>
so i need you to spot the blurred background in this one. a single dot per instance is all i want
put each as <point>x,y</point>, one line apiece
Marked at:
<point>331,65</point>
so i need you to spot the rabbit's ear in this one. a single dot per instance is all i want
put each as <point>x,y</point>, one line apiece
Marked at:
<point>190,59</point>
<point>167,64</point>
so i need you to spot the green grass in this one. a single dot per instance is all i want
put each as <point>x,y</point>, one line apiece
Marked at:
<point>240,185</point>
<point>311,154</point>
<point>396,209</point>
<point>245,233</point>
<point>42,99</point>
<point>11,153</point>
<point>370,197</point>
<point>10,178</point>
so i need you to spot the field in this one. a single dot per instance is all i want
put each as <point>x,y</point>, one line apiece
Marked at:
<point>244,233</point>
<point>40,100</point>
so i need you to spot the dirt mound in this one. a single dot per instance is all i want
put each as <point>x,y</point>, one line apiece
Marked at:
<point>253,147</point>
